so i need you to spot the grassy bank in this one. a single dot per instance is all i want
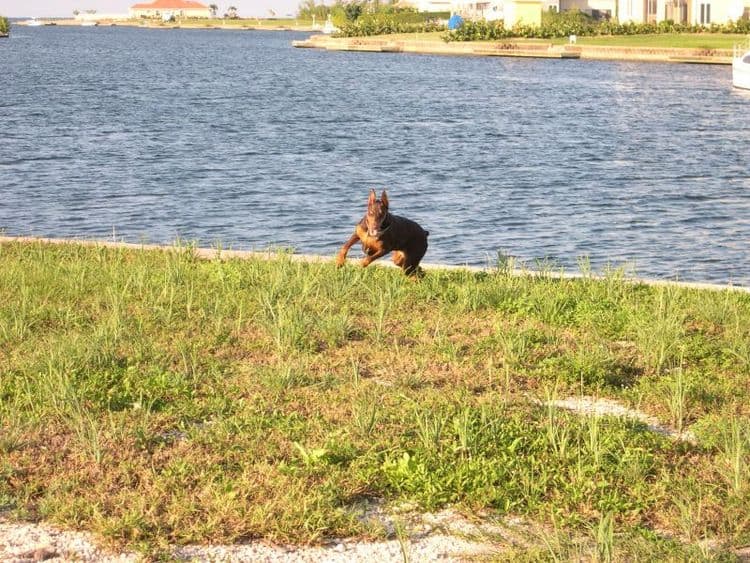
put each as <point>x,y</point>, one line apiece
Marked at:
<point>662,41</point>
<point>256,23</point>
<point>227,23</point>
<point>154,398</point>
<point>203,23</point>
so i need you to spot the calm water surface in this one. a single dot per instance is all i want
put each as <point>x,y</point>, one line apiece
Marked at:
<point>237,137</point>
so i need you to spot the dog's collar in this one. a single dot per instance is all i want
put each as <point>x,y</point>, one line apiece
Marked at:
<point>385,227</point>
<point>386,224</point>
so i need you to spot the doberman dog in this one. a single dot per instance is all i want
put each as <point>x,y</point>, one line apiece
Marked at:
<point>380,233</point>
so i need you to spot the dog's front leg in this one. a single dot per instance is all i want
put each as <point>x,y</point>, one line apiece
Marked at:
<point>370,258</point>
<point>341,258</point>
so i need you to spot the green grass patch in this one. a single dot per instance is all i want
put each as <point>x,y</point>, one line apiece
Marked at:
<point>661,40</point>
<point>153,398</point>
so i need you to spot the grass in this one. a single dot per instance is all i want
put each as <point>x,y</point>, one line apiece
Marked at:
<point>271,23</point>
<point>663,40</point>
<point>155,398</point>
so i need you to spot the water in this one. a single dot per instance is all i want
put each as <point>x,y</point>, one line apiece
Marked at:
<point>234,136</point>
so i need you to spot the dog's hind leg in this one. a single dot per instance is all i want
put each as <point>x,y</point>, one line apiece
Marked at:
<point>413,270</point>
<point>412,259</point>
<point>399,258</point>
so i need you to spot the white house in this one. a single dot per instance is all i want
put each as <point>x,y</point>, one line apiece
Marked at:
<point>638,11</point>
<point>653,11</point>
<point>432,5</point>
<point>177,8</point>
<point>97,17</point>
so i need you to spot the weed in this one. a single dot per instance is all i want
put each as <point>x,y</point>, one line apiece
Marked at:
<point>365,415</point>
<point>288,325</point>
<point>735,448</point>
<point>380,314</point>
<point>556,430</point>
<point>464,429</point>
<point>286,375</point>
<point>310,457</point>
<point>676,394</point>
<point>505,263</point>
<point>659,336</point>
<point>605,538</point>
<point>430,427</point>
<point>402,535</point>
<point>593,438</point>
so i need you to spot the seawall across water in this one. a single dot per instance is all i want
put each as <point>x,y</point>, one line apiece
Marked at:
<point>383,44</point>
<point>227,254</point>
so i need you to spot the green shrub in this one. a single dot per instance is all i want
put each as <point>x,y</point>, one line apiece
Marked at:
<point>4,26</point>
<point>384,24</point>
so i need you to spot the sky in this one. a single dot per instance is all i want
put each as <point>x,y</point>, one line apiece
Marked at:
<point>64,8</point>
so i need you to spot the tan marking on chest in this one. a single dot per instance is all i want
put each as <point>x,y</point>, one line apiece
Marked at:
<point>370,243</point>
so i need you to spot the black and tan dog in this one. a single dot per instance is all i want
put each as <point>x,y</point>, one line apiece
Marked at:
<point>381,233</point>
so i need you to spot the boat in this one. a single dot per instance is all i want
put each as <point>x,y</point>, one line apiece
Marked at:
<point>88,23</point>
<point>33,22</point>
<point>741,66</point>
<point>329,28</point>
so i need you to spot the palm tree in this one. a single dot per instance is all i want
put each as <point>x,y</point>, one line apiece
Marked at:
<point>307,8</point>
<point>214,8</point>
<point>232,13</point>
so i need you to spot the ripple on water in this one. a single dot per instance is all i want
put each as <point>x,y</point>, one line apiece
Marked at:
<point>243,139</point>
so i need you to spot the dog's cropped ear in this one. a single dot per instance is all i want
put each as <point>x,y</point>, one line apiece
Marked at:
<point>384,198</point>
<point>373,197</point>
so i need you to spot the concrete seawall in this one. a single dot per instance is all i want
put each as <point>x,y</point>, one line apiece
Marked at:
<point>510,48</point>
<point>224,254</point>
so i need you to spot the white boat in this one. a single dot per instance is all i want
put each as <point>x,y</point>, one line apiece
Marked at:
<point>88,23</point>
<point>741,66</point>
<point>33,22</point>
<point>329,28</point>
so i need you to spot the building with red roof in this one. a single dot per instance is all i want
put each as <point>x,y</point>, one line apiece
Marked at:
<point>176,8</point>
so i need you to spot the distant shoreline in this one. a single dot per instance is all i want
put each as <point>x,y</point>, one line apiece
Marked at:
<point>239,25</point>
<point>430,45</point>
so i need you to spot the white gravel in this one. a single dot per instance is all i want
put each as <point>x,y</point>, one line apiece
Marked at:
<point>446,536</point>
<point>598,407</point>
<point>24,542</point>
